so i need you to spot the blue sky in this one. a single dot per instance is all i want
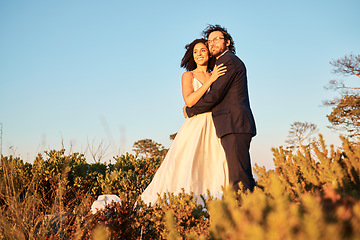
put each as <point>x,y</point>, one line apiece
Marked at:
<point>85,72</point>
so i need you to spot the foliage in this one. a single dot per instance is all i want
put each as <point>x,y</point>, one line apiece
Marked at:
<point>149,148</point>
<point>304,198</point>
<point>173,136</point>
<point>32,194</point>
<point>117,220</point>
<point>311,194</point>
<point>299,133</point>
<point>188,214</point>
<point>345,112</point>
<point>132,219</point>
<point>348,65</point>
<point>129,175</point>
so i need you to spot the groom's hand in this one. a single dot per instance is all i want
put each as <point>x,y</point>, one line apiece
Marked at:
<point>184,112</point>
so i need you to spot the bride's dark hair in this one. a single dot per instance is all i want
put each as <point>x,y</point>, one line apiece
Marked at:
<point>188,61</point>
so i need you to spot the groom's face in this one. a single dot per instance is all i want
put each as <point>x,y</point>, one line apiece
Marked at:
<point>217,43</point>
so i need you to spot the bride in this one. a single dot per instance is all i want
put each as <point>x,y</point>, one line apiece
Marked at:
<point>196,160</point>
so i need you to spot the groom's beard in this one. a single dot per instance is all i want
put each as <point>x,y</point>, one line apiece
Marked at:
<point>216,52</point>
<point>216,55</point>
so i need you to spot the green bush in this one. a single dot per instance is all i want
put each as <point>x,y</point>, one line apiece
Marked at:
<point>311,194</point>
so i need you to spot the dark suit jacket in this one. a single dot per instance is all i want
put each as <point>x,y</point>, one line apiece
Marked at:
<point>228,99</point>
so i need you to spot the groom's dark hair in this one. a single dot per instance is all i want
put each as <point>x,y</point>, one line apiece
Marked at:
<point>212,28</point>
<point>188,61</point>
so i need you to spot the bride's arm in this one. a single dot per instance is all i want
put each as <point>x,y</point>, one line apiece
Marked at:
<point>190,96</point>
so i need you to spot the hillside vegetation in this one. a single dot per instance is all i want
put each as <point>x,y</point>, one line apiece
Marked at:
<point>311,194</point>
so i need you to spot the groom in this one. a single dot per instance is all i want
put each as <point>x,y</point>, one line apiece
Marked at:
<point>228,100</point>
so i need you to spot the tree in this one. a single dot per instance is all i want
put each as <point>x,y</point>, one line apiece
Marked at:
<point>149,148</point>
<point>300,133</point>
<point>172,136</point>
<point>345,113</point>
<point>97,152</point>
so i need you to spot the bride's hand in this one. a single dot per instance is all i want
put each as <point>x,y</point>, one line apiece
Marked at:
<point>184,112</point>
<point>218,71</point>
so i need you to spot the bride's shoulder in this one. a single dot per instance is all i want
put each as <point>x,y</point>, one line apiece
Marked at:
<point>188,75</point>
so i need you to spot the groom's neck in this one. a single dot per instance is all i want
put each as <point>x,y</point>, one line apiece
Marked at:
<point>222,53</point>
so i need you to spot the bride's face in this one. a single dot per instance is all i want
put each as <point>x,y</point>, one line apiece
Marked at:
<point>201,54</point>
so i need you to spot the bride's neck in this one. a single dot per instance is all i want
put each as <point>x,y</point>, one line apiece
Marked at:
<point>203,69</point>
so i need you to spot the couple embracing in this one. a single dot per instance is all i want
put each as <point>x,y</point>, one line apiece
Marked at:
<point>211,149</point>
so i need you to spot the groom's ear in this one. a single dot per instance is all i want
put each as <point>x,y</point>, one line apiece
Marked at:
<point>228,43</point>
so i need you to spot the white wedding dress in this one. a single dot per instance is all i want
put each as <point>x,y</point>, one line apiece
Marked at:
<point>196,161</point>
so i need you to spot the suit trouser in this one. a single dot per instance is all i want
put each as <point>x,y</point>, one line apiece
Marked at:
<point>236,148</point>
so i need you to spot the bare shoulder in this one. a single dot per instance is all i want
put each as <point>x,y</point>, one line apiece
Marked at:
<point>187,76</point>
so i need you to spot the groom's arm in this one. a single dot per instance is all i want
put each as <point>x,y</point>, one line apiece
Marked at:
<point>217,91</point>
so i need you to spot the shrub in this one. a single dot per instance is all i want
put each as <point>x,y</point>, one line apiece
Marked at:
<point>311,194</point>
